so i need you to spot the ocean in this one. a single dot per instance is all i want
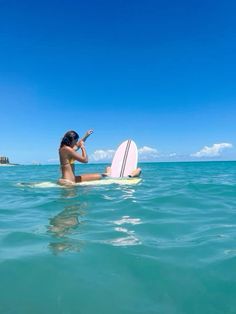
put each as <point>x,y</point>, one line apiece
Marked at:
<point>165,245</point>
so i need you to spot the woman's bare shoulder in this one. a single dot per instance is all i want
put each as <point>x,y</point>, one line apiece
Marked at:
<point>66,149</point>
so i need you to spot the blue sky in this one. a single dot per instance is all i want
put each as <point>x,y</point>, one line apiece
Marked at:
<point>159,72</point>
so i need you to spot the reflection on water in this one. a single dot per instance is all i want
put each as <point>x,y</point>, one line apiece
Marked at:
<point>58,247</point>
<point>65,221</point>
<point>129,237</point>
<point>128,193</point>
<point>63,226</point>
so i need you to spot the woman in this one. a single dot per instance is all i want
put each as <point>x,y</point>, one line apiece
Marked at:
<point>67,153</point>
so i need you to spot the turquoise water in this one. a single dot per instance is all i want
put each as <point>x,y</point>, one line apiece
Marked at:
<point>165,245</point>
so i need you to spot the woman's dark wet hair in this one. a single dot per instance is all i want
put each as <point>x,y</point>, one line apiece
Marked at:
<point>69,138</point>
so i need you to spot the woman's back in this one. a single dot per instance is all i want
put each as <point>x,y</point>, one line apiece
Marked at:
<point>67,168</point>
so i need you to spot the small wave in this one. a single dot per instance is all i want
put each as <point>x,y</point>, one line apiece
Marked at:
<point>128,220</point>
<point>120,229</point>
<point>125,241</point>
<point>130,238</point>
<point>230,252</point>
<point>39,185</point>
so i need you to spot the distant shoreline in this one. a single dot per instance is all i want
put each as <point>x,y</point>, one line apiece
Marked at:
<point>108,162</point>
<point>7,165</point>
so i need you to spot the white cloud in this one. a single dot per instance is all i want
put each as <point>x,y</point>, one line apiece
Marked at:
<point>102,155</point>
<point>172,155</point>
<point>213,151</point>
<point>146,153</point>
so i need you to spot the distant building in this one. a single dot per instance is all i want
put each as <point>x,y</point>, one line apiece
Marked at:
<point>4,160</point>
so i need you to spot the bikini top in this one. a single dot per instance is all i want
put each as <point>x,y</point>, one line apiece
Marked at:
<point>71,161</point>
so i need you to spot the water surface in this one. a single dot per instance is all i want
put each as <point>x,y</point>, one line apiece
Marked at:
<point>165,245</point>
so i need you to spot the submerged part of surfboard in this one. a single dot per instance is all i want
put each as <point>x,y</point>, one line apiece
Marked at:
<point>125,160</point>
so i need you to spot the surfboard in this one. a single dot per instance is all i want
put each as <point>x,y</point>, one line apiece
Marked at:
<point>105,181</point>
<point>108,181</point>
<point>125,160</point>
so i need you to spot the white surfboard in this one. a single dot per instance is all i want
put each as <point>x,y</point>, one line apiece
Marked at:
<point>108,181</point>
<point>125,160</point>
<point>105,181</point>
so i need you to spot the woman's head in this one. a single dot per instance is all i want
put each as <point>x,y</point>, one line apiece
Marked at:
<point>69,139</point>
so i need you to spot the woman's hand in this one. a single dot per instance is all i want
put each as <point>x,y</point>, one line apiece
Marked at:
<point>80,144</point>
<point>89,132</point>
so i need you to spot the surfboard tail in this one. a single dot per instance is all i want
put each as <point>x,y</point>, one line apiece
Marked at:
<point>125,159</point>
